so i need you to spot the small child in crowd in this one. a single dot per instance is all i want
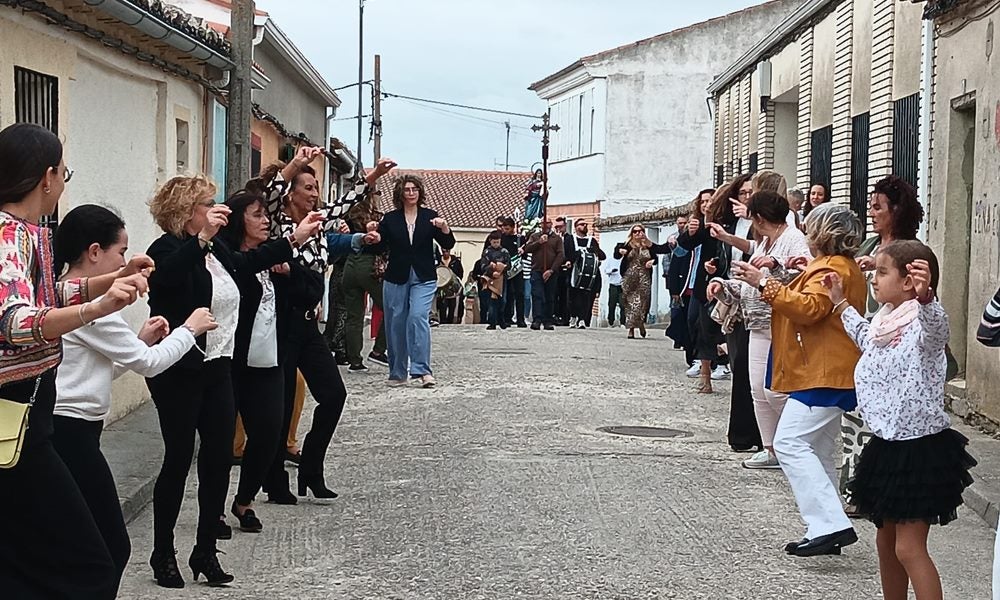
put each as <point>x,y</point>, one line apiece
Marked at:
<point>913,471</point>
<point>495,262</point>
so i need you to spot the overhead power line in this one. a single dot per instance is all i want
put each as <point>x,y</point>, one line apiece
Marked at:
<point>456,105</point>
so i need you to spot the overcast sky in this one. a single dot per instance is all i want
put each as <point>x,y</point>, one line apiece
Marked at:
<point>475,52</point>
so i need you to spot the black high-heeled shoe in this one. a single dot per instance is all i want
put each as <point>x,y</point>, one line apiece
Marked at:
<point>285,497</point>
<point>316,485</point>
<point>206,562</point>
<point>165,570</point>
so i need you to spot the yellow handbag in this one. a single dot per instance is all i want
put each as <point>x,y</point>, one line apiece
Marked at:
<point>13,427</point>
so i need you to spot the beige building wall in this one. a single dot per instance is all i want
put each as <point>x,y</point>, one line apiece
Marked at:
<point>861,52</point>
<point>964,206</point>
<point>119,120</point>
<point>823,56</point>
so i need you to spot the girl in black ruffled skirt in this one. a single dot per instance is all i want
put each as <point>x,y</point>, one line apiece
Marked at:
<point>911,475</point>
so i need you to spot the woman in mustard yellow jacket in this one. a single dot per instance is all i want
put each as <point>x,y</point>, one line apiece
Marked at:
<point>813,362</point>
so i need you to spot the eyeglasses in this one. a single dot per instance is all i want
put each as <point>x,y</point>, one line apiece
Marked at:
<point>209,203</point>
<point>746,193</point>
<point>634,231</point>
<point>67,174</point>
<point>411,190</point>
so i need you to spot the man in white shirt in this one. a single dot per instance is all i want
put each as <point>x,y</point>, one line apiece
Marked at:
<point>612,268</point>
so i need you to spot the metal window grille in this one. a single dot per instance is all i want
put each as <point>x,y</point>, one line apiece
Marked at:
<point>36,101</point>
<point>820,169</point>
<point>860,128</point>
<point>754,163</point>
<point>906,138</point>
<point>719,174</point>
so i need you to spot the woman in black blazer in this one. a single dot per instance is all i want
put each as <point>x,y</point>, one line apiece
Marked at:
<point>410,281</point>
<point>196,269</point>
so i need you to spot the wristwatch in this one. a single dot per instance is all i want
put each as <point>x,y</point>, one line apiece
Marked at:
<point>762,284</point>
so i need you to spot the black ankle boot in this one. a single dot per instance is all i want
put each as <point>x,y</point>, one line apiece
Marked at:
<point>206,561</point>
<point>165,569</point>
<point>316,485</point>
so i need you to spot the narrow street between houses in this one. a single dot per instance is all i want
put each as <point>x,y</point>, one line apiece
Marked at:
<point>500,483</point>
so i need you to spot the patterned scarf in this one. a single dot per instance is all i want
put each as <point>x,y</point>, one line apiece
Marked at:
<point>889,322</point>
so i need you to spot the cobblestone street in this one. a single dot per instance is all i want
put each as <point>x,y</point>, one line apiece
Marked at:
<point>498,484</point>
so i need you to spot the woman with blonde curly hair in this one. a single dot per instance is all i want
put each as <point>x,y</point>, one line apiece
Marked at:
<point>638,255</point>
<point>194,269</point>
<point>813,361</point>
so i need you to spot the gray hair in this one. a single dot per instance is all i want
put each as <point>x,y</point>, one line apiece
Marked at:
<point>833,230</point>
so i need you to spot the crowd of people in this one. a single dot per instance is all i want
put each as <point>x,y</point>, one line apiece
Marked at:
<point>818,327</point>
<point>233,290</point>
<point>838,353</point>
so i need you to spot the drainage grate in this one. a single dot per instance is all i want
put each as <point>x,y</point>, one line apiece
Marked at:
<point>647,432</point>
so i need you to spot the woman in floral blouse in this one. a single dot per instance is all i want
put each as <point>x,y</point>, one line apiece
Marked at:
<point>50,547</point>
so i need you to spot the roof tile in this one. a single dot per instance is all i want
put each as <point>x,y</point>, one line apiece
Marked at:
<point>465,198</point>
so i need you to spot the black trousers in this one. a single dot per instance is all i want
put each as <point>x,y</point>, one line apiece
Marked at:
<point>515,300</point>
<point>543,296</point>
<point>260,401</point>
<point>189,401</point>
<point>616,304</point>
<point>581,304</point>
<point>78,443</point>
<point>448,309</point>
<point>743,430</point>
<point>560,309</point>
<point>305,351</point>
<point>50,546</point>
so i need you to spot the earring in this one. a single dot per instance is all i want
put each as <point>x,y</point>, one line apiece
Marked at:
<point>47,189</point>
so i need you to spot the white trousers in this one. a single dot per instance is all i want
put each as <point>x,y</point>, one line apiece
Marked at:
<point>996,568</point>
<point>808,446</point>
<point>767,405</point>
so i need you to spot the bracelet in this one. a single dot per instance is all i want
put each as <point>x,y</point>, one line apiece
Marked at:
<point>80,313</point>
<point>837,305</point>
<point>190,329</point>
<point>291,240</point>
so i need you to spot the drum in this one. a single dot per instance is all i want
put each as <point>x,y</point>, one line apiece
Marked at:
<point>448,284</point>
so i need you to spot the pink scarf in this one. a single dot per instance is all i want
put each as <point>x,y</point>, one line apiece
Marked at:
<point>888,323</point>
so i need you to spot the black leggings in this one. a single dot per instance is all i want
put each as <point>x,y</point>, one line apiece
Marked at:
<point>260,401</point>
<point>78,443</point>
<point>306,352</point>
<point>50,547</point>
<point>190,400</point>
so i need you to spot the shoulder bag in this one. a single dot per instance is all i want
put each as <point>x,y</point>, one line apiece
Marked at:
<point>13,427</point>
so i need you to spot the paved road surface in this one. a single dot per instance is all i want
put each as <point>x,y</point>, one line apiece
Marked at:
<point>498,484</point>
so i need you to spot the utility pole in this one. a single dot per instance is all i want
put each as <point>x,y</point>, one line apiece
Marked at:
<point>507,154</point>
<point>240,110</point>
<point>545,128</point>
<point>377,110</point>
<point>361,68</point>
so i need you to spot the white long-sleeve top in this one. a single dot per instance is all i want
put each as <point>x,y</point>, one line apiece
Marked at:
<point>96,354</point>
<point>900,386</point>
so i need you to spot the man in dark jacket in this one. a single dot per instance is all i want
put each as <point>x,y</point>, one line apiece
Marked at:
<point>548,255</point>
<point>560,310</point>
<point>582,296</point>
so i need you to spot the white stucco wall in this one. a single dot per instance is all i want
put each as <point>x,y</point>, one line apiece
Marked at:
<point>659,126</point>
<point>576,174</point>
<point>118,121</point>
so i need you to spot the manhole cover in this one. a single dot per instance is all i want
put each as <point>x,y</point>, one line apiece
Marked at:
<point>640,431</point>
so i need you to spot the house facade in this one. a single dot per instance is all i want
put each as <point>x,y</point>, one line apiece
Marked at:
<point>830,96</point>
<point>963,206</point>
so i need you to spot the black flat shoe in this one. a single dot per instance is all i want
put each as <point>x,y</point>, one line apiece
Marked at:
<point>206,562</point>
<point>316,485</point>
<point>249,523</point>
<point>294,458</point>
<point>284,497</point>
<point>165,570</point>
<point>791,546</point>
<point>826,544</point>
<point>224,531</point>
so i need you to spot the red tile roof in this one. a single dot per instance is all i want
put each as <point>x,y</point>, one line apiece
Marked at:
<point>465,198</point>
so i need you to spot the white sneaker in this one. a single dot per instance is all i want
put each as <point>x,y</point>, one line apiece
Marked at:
<point>721,372</point>
<point>694,371</point>
<point>580,324</point>
<point>762,460</point>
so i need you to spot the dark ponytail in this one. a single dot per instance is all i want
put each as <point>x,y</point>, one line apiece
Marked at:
<point>84,225</point>
<point>27,152</point>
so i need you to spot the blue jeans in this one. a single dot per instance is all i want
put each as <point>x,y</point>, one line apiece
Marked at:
<point>407,331</point>
<point>527,298</point>
<point>543,298</point>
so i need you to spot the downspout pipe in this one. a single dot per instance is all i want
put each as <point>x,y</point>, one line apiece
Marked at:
<point>926,99</point>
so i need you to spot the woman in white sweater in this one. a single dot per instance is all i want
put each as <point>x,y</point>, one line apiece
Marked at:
<point>92,241</point>
<point>779,241</point>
